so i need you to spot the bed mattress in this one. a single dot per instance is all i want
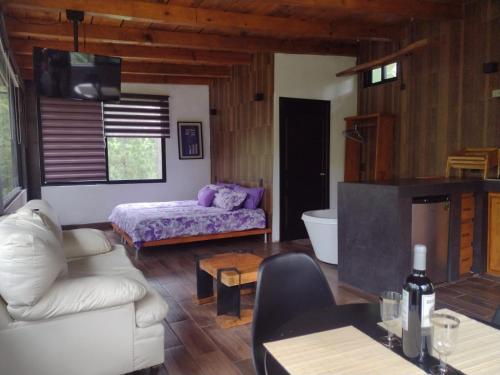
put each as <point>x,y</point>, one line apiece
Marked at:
<point>145,222</point>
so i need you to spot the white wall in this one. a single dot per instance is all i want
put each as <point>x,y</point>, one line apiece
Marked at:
<point>313,77</point>
<point>80,204</point>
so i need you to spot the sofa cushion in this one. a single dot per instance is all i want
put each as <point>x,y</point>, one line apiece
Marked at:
<point>149,310</point>
<point>31,258</point>
<point>112,263</point>
<point>70,296</point>
<point>48,213</point>
<point>84,242</point>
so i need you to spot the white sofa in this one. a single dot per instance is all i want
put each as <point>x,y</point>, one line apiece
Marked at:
<point>72,303</point>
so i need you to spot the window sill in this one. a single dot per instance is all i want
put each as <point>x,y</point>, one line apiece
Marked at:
<point>9,202</point>
<point>95,183</point>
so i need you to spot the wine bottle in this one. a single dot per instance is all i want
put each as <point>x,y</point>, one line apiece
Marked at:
<point>417,307</point>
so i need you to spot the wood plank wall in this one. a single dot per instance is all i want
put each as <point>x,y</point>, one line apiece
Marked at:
<point>242,129</point>
<point>446,104</point>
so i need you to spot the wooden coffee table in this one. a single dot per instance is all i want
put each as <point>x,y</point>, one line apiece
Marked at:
<point>232,272</point>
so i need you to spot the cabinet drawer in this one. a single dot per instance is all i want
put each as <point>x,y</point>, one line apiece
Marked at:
<point>465,260</point>
<point>468,207</point>
<point>466,234</point>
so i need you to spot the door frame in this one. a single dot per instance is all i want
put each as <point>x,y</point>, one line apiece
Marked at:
<point>281,138</point>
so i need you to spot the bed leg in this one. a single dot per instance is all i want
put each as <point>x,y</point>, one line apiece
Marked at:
<point>136,253</point>
<point>266,238</point>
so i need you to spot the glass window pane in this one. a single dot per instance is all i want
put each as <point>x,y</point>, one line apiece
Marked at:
<point>8,164</point>
<point>376,75</point>
<point>391,71</point>
<point>134,159</point>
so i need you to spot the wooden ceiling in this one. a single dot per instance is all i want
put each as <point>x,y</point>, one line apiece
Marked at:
<point>194,41</point>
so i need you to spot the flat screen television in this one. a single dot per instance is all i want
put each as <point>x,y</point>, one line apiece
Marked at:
<point>76,75</point>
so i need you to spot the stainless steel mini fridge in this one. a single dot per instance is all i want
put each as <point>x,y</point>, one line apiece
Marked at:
<point>430,227</point>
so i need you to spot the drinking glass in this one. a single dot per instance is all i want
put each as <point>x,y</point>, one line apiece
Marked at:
<point>390,312</point>
<point>444,335</point>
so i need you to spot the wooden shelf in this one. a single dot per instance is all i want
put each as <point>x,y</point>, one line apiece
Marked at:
<point>410,48</point>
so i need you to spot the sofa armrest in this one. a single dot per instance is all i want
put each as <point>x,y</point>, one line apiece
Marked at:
<point>84,242</point>
<point>150,310</point>
<point>70,296</point>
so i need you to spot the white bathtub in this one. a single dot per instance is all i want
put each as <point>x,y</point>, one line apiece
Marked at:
<point>321,226</point>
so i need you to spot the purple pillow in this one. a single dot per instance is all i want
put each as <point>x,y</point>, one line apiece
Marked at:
<point>228,199</point>
<point>206,195</point>
<point>254,196</point>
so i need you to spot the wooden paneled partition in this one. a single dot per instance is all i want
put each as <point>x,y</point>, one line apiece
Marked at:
<point>446,102</point>
<point>242,126</point>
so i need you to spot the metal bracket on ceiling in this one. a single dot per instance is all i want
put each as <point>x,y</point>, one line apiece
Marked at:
<point>75,16</point>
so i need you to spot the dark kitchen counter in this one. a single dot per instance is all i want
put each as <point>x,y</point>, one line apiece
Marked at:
<point>374,228</point>
<point>492,185</point>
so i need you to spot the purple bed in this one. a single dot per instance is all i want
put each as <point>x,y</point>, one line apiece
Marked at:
<point>154,221</point>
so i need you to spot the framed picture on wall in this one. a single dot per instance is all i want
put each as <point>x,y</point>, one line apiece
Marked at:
<point>190,139</point>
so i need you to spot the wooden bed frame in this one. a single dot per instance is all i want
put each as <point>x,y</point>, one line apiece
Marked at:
<point>203,237</point>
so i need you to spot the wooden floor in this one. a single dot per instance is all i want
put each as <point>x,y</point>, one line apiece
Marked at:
<point>195,345</point>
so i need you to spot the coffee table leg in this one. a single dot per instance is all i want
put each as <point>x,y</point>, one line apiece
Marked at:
<point>204,282</point>
<point>228,297</point>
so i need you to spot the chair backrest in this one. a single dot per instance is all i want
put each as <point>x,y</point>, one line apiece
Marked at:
<point>288,285</point>
<point>496,317</point>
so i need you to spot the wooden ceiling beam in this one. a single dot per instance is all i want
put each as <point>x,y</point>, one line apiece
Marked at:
<point>176,69</point>
<point>390,58</point>
<point>157,38</point>
<point>27,74</point>
<point>137,52</point>
<point>149,78</point>
<point>166,14</point>
<point>418,9</point>
<point>154,68</point>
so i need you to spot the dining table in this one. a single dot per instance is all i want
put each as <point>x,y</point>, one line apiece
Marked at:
<point>363,317</point>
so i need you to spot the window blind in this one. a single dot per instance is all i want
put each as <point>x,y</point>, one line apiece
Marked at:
<point>137,116</point>
<point>73,146</point>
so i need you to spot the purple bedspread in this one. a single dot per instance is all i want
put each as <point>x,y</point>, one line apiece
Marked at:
<point>162,220</point>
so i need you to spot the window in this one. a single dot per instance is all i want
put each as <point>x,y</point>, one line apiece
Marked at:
<point>135,129</point>
<point>93,142</point>
<point>9,170</point>
<point>135,159</point>
<point>381,74</point>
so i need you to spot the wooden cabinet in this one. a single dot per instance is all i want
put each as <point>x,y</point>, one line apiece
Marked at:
<point>494,233</point>
<point>369,148</point>
<point>466,232</point>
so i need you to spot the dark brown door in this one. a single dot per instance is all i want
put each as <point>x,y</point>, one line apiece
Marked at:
<point>304,162</point>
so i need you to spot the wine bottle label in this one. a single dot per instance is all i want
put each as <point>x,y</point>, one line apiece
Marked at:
<point>404,310</point>
<point>428,301</point>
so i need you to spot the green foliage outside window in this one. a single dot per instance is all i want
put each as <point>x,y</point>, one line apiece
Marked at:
<point>6,149</point>
<point>134,159</point>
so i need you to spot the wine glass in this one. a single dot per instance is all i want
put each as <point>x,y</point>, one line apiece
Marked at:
<point>390,312</point>
<point>444,335</point>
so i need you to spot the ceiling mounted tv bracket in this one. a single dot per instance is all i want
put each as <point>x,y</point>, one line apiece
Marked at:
<point>75,16</point>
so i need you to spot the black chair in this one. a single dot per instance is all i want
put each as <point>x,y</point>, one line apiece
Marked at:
<point>496,317</point>
<point>288,285</point>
